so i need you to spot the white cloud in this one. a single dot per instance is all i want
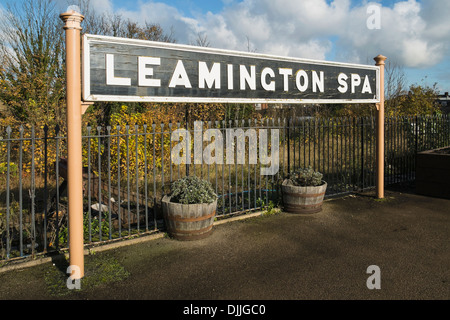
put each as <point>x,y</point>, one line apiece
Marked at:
<point>97,6</point>
<point>412,33</point>
<point>101,6</point>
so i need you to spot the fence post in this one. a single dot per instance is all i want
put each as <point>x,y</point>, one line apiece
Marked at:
<point>72,27</point>
<point>380,129</point>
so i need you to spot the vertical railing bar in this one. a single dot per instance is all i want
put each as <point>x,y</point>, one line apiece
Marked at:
<point>272,188</point>
<point>236,166</point>
<point>401,150</point>
<point>108,128</point>
<point>265,177</point>
<point>256,169</point>
<point>33,191</point>
<point>323,126</point>
<point>230,190</point>
<point>57,130</point>
<point>303,121</point>
<point>283,150</point>
<point>343,154</point>
<point>128,179</point>
<point>8,176</point>
<point>207,165</point>
<point>294,138</point>
<point>392,155</point>
<point>405,157</point>
<point>288,128</point>
<point>90,187</point>
<point>179,165</point>
<point>215,165</point>
<point>309,141</point>
<point>154,177</point>
<point>412,155</point>
<point>223,167</point>
<point>314,143</point>
<point>327,146</point>
<point>145,177</point>
<point>136,128</point>
<point>250,165</point>
<point>352,153</point>
<point>319,126</point>
<point>331,154</point>
<point>201,157</point>
<point>346,153</point>
<point>162,157</point>
<point>362,152</point>
<point>44,229</point>
<point>342,148</point>
<point>99,199</point>
<point>334,142</point>
<point>389,147</point>
<point>21,129</point>
<point>373,151</point>
<point>119,200</point>
<point>170,148</point>
<point>396,145</point>
<point>242,170</point>
<point>339,153</point>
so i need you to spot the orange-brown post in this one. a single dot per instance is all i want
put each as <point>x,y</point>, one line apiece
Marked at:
<point>72,27</point>
<point>380,130</point>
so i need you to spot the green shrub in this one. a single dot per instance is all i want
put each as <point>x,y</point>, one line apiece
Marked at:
<point>190,190</point>
<point>95,228</point>
<point>306,177</point>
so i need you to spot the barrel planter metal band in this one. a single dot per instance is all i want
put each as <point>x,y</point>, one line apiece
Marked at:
<point>189,221</point>
<point>299,199</point>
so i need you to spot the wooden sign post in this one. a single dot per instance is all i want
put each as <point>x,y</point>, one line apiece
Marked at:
<point>380,130</point>
<point>72,20</point>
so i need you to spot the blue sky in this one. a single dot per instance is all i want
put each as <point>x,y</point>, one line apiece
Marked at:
<point>411,33</point>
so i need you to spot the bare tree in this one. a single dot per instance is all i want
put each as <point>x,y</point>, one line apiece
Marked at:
<point>32,49</point>
<point>395,84</point>
<point>249,45</point>
<point>201,40</point>
<point>115,25</point>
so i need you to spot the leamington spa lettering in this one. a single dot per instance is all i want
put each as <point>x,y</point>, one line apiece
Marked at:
<point>150,71</point>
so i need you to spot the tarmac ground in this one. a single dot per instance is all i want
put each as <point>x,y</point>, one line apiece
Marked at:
<point>283,257</point>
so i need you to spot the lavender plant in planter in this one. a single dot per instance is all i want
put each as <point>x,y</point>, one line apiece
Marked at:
<point>190,208</point>
<point>304,191</point>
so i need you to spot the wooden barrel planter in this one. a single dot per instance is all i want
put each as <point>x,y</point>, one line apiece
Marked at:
<point>299,199</point>
<point>188,221</point>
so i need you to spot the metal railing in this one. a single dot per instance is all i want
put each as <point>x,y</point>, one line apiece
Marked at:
<point>126,171</point>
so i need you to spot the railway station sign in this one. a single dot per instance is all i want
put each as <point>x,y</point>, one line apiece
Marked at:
<point>127,70</point>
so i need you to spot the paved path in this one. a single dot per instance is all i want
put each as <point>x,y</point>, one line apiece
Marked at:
<point>285,257</point>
